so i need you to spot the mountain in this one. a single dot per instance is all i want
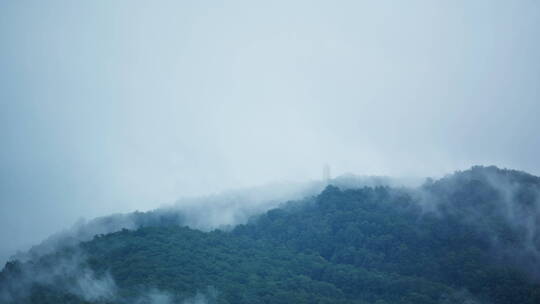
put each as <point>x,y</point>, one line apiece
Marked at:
<point>469,237</point>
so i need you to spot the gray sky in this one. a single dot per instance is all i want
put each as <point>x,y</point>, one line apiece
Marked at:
<point>112,106</point>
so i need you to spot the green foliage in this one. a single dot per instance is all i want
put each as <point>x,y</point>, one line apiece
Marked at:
<point>371,245</point>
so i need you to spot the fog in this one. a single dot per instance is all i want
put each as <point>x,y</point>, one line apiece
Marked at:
<point>115,107</point>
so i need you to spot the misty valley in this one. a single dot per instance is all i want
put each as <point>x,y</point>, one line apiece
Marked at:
<point>469,237</point>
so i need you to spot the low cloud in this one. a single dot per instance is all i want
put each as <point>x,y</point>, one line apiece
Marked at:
<point>65,274</point>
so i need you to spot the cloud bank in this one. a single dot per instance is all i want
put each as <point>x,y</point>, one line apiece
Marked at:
<point>109,107</point>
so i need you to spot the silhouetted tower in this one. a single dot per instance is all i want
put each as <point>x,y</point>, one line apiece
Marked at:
<point>326,174</point>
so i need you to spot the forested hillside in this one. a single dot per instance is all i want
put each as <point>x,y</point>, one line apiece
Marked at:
<point>470,237</point>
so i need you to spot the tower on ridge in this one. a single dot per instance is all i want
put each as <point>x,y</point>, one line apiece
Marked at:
<point>326,174</point>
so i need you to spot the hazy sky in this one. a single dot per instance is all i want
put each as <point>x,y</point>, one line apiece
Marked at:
<point>109,106</point>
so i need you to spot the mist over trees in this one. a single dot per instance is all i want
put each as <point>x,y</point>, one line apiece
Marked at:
<point>470,237</point>
<point>220,211</point>
<point>170,152</point>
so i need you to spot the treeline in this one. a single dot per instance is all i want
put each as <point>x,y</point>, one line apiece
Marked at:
<point>466,238</point>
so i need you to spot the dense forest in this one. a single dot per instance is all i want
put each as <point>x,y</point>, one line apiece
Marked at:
<point>470,237</point>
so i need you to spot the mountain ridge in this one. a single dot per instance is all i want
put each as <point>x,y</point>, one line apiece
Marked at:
<point>367,245</point>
